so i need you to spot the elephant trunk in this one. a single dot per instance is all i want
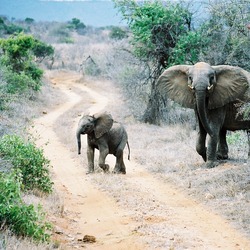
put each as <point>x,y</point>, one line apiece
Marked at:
<point>78,136</point>
<point>202,110</point>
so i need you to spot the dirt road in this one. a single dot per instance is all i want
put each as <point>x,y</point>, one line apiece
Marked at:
<point>152,213</point>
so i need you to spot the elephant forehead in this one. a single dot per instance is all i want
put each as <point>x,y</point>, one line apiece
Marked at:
<point>85,120</point>
<point>202,67</point>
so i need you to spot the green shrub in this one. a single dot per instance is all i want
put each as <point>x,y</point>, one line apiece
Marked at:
<point>66,40</point>
<point>22,219</point>
<point>19,52</point>
<point>118,33</point>
<point>12,29</point>
<point>29,20</point>
<point>234,137</point>
<point>9,29</point>
<point>30,160</point>
<point>19,83</point>
<point>77,25</point>
<point>63,34</point>
<point>42,50</point>
<point>5,98</point>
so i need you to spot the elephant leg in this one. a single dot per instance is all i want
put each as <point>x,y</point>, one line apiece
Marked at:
<point>211,151</point>
<point>201,142</point>
<point>222,152</point>
<point>102,157</point>
<point>119,166</point>
<point>217,117</point>
<point>90,156</point>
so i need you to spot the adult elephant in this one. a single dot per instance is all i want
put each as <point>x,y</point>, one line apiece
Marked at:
<point>215,93</point>
<point>107,136</point>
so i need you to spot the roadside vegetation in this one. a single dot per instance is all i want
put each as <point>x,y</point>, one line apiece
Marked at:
<point>23,167</point>
<point>158,34</point>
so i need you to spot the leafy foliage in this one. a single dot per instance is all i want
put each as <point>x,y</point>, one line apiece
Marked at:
<point>29,20</point>
<point>19,52</point>
<point>118,33</point>
<point>9,29</point>
<point>30,160</point>
<point>63,34</point>
<point>188,48</point>
<point>42,50</point>
<point>156,27</point>
<point>227,33</point>
<point>22,219</point>
<point>77,25</point>
<point>18,83</point>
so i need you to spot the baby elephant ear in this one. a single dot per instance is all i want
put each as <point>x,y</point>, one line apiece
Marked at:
<point>173,84</point>
<point>231,83</point>
<point>103,123</point>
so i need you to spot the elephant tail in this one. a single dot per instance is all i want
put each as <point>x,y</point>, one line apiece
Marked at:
<point>128,151</point>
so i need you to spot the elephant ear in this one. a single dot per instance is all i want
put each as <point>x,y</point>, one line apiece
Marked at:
<point>173,84</point>
<point>103,123</point>
<point>231,83</point>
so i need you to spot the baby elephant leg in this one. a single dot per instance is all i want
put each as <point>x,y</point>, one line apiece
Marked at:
<point>102,158</point>
<point>119,166</point>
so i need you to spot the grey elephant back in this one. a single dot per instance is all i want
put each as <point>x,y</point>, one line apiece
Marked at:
<point>117,134</point>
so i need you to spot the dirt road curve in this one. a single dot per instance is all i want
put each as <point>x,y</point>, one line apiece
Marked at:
<point>88,210</point>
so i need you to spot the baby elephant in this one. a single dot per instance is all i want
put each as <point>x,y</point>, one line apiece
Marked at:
<point>107,136</point>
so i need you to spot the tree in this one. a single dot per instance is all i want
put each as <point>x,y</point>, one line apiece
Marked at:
<point>42,50</point>
<point>227,33</point>
<point>118,33</point>
<point>160,31</point>
<point>77,25</point>
<point>9,28</point>
<point>18,54</point>
<point>29,20</point>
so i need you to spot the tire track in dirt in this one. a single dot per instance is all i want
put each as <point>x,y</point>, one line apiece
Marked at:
<point>90,211</point>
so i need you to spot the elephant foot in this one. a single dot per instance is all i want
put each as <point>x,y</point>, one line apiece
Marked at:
<point>90,172</point>
<point>210,164</point>
<point>105,168</point>
<point>116,171</point>
<point>221,156</point>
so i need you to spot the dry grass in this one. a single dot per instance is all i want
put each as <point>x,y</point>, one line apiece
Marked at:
<point>10,242</point>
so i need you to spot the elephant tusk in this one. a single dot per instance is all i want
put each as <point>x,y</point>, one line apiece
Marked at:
<point>191,87</point>
<point>210,87</point>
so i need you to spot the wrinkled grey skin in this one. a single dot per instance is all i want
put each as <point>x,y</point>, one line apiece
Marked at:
<point>215,93</point>
<point>107,136</point>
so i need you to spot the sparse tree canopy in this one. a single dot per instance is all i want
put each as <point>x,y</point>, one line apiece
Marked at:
<point>118,33</point>
<point>156,26</point>
<point>18,54</point>
<point>77,25</point>
<point>227,33</point>
<point>161,31</point>
<point>29,20</point>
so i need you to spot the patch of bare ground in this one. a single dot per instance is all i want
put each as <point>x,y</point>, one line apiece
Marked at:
<point>165,201</point>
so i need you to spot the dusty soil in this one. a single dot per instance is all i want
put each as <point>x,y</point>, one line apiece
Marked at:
<point>142,212</point>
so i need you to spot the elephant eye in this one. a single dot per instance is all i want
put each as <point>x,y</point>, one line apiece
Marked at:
<point>211,78</point>
<point>190,79</point>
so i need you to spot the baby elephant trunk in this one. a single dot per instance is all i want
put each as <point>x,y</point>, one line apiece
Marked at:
<point>78,136</point>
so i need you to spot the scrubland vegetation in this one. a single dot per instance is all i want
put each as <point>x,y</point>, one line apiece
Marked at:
<point>132,57</point>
